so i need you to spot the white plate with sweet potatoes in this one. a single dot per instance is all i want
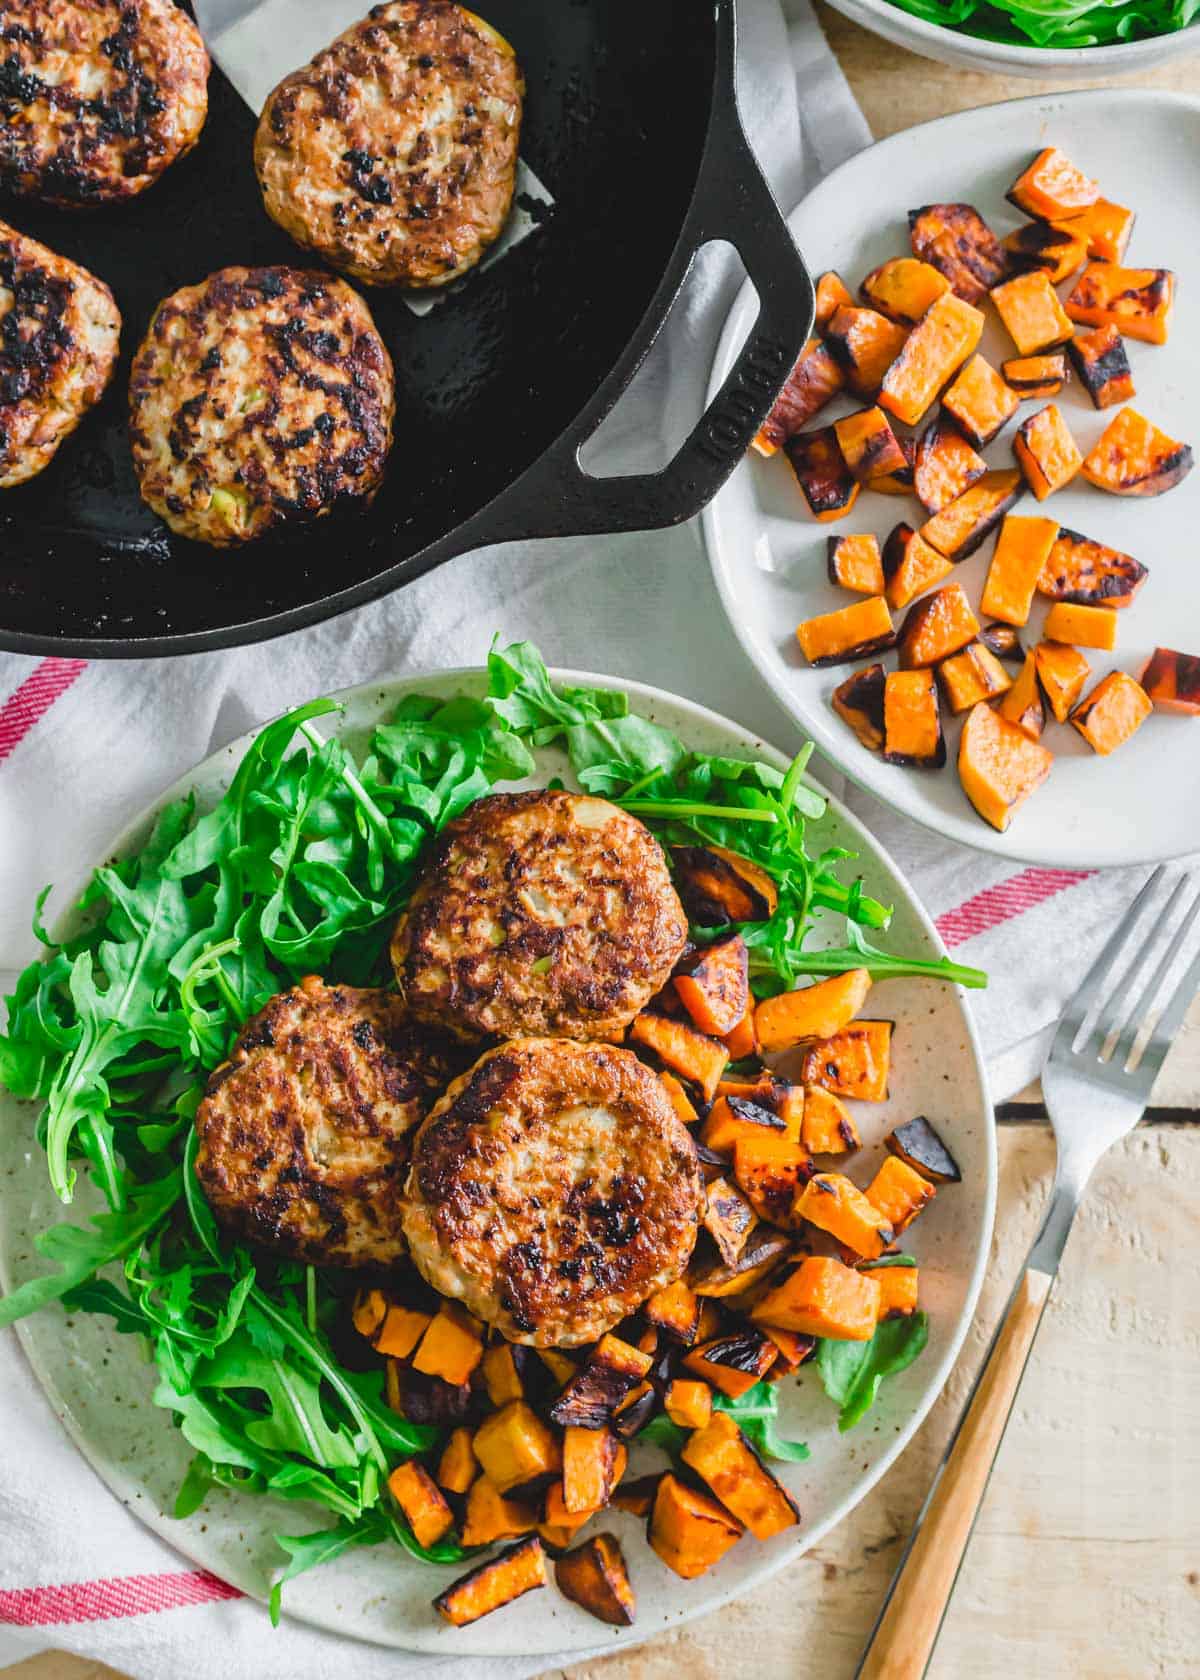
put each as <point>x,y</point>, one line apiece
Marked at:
<point>769,555</point>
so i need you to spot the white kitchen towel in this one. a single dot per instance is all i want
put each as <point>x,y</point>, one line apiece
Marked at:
<point>83,746</point>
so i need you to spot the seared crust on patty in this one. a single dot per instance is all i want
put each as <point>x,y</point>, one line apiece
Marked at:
<point>305,1131</point>
<point>552,1190</point>
<point>394,153</point>
<point>97,97</point>
<point>544,912</point>
<point>262,396</point>
<point>59,334</point>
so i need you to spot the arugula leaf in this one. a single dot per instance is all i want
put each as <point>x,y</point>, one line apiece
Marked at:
<point>852,1372</point>
<point>306,1551</point>
<point>757,1414</point>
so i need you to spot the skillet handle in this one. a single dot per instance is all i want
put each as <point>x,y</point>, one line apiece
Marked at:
<point>732,202</point>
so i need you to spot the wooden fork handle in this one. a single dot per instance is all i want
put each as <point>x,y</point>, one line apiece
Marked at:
<point>907,1631</point>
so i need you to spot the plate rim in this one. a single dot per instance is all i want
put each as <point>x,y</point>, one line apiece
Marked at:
<point>981,836</point>
<point>159,1523</point>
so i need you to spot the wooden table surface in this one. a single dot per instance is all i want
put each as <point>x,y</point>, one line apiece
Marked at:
<point>1085,1564</point>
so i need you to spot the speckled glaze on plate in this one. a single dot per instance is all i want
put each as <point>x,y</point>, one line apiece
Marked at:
<point>100,1386</point>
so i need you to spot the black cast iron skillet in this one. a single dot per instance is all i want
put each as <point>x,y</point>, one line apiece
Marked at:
<point>631,122</point>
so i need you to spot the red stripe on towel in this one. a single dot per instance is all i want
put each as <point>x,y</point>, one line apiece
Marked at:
<point>124,1595</point>
<point>1007,899</point>
<point>26,704</point>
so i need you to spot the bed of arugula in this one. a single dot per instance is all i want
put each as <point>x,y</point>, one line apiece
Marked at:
<point>1057,23</point>
<point>302,867</point>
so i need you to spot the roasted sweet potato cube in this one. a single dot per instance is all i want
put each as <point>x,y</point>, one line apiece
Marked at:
<point>422,1501</point>
<point>970,676</point>
<point>593,1461</point>
<point>1003,641</point>
<point>636,1497</point>
<point>814,1011</point>
<point>854,563</point>
<point>828,485</point>
<point>832,293</point>
<point>741,1042</point>
<point>933,353</point>
<point>635,1411</point>
<point>1172,680</point>
<point>911,566</point>
<point>980,402</point>
<point>789,1105</point>
<point>1062,672</point>
<point>936,626</point>
<point>945,466</point>
<point>864,344</point>
<point>853,1063</point>
<point>1089,572</point>
<point>716,993</point>
<point>559,1526</point>
<point>1048,454</point>
<point>400,1331</point>
<point>762,1088</point>
<point>721,1456</point>
<point>594,1576</point>
<point>859,700</point>
<point>999,765</point>
<point>899,1193</point>
<point>718,886</point>
<point>832,1203</point>
<point>822,1297</point>
<point>904,289</point>
<point>491,1585</point>
<point>1102,363</point>
<point>1106,228</point>
<point>921,1147</point>
<point>1052,186</point>
<point>898,1287</point>
<point>1042,245</point>
<point>458,1466</point>
<point>1133,458</point>
<point>1137,301</point>
<point>959,244</point>
<point>1036,376</point>
<point>514,1446</point>
<point>852,632</point>
<point>593,1394</point>
<point>815,379</point>
<point>1115,709</point>
<point>692,1054</point>
<point>828,1127</point>
<point>967,523</point>
<point>770,1170</point>
<point>560,1365</point>
<point>676,1310</point>
<point>728,1218</point>
<point>794,1350</point>
<point>370,1305</point>
<point>912,721</point>
<point>900,482</point>
<point>868,445</point>
<point>1021,554</point>
<point>765,1249</point>
<point>490,1517</point>
<point>1093,627</point>
<point>451,1347</point>
<point>680,1101</point>
<point>1022,704</point>
<point>1029,307</point>
<point>501,1369</point>
<point>730,1118</point>
<point>735,1362</point>
<point>689,1530</point>
<point>688,1402</point>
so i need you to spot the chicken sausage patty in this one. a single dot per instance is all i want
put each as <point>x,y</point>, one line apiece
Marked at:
<point>552,1190</point>
<point>544,912</point>
<point>260,397</point>
<point>304,1133</point>
<point>394,153</point>
<point>59,334</point>
<point>97,97</point>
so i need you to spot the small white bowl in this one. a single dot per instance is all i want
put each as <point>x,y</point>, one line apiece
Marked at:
<point>1071,64</point>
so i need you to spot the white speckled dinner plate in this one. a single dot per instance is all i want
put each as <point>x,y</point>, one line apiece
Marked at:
<point>100,1386</point>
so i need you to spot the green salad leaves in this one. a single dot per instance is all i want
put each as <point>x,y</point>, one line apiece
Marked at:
<point>1057,23</point>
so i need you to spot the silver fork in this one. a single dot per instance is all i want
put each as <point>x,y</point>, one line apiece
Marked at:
<point>1095,1094</point>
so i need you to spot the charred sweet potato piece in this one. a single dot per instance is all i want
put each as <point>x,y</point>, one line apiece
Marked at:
<point>1053,249</point>
<point>593,1461</point>
<point>1102,364</point>
<point>966,524</point>
<point>898,1290</point>
<point>680,1101</point>
<point>716,993</point>
<point>400,1331</point>
<point>854,1062</point>
<point>689,1530</point>
<point>422,1501</point>
<point>735,1362</point>
<point>1092,627</point>
<point>970,676</point>
<point>490,1517</point>
<point>636,1410</point>
<point>560,1365</point>
<point>815,379</point>
<point>959,243</point>
<point>822,1297</point>
<point>900,482</point>
<point>980,402</point>
<point>1029,307</point>
<point>1048,454</point>
<point>592,1395</point>
<point>1062,672</point>
<point>827,484</point>
<point>852,632</point>
<point>1021,554</point>
<point>936,626</point>
<point>1003,641</point>
<point>1106,228</point>
<point>999,765</point>
<point>1133,458</point>
<point>859,700</point>
<point>815,1011</point>
<point>730,1118</point>
<point>1089,572</point>
<point>770,1170</point>
<point>514,1446</point>
<point>868,445</point>
<point>1172,680</point>
<point>594,1576</point>
<point>1036,376</point>
<point>828,1127</point>
<point>491,1585</point>
<point>1022,704</point>
<point>559,1526</point>
<point>933,353</point>
<point>794,1349</point>
<point>945,466</point>
<point>1115,709</point>
<point>718,886</point>
<point>904,289</point>
<point>688,1402</point>
<point>854,563</point>
<point>910,566</point>
<point>1052,186</point>
<point>832,293</point>
<point>451,1347</point>
<point>728,1218</point>
<point>899,1193</point>
<point>864,344</point>
<point>501,1368</point>
<point>676,1310</point>
<point>685,1051</point>
<point>458,1466</point>
<point>764,1250</point>
<point>832,1203</point>
<point>912,721</point>
<point>920,1146</point>
<point>789,1105</point>
<point>721,1456</point>
<point>636,1497</point>
<point>1137,301</point>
